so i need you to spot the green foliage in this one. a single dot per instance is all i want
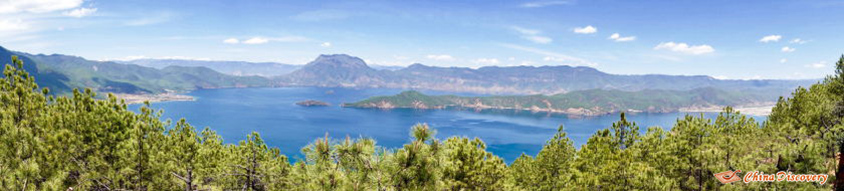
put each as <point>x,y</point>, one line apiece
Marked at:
<point>83,143</point>
<point>468,166</point>
<point>595,102</point>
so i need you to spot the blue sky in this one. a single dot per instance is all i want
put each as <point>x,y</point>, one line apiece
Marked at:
<point>790,39</point>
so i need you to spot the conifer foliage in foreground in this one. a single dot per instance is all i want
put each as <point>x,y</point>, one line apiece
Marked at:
<point>79,142</point>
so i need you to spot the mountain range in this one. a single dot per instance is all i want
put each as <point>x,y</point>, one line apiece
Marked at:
<point>347,71</point>
<point>236,68</point>
<point>61,73</point>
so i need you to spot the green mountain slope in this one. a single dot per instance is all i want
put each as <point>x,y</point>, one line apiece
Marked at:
<point>62,73</point>
<point>587,102</point>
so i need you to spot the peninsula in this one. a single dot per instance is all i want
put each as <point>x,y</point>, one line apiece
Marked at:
<point>580,103</point>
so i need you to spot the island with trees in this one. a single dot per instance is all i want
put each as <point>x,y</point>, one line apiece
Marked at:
<point>578,103</point>
<point>312,103</point>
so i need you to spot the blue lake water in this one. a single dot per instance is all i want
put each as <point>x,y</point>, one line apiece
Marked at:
<point>272,112</point>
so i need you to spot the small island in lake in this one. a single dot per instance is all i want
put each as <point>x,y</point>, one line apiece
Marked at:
<point>312,103</point>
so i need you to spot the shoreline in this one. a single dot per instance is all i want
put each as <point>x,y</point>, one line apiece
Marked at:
<point>153,98</point>
<point>755,109</point>
<point>759,109</point>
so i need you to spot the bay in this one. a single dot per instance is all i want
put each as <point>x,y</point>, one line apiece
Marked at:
<point>272,112</point>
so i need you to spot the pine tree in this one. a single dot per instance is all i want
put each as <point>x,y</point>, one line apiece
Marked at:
<point>553,163</point>
<point>417,165</point>
<point>256,166</point>
<point>468,166</point>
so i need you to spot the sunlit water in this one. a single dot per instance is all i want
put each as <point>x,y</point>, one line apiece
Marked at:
<point>272,112</point>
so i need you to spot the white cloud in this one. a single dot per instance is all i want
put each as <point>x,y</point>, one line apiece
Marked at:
<point>558,57</point>
<point>721,77</point>
<point>127,58</point>
<point>486,61</point>
<point>19,18</point>
<point>783,60</point>
<point>538,39</point>
<point>37,6</point>
<point>256,40</point>
<point>770,38</point>
<point>184,58</point>
<point>8,25</point>
<point>231,41</point>
<point>264,40</point>
<point>526,31</point>
<point>538,4</point>
<point>586,30</point>
<point>80,12</point>
<point>532,35</point>
<point>526,63</point>
<point>618,38</point>
<point>787,49</point>
<point>553,59</point>
<point>441,57</point>
<point>820,64</point>
<point>798,41</point>
<point>325,44</point>
<point>685,48</point>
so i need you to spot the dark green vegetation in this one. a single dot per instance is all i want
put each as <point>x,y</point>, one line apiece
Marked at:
<point>584,102</point>
<point>79,142</point>
<point>62,73</point>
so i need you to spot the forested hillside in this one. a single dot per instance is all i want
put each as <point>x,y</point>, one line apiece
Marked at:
<point>63,73</point>
<point>79,142</point>
<point>583,103</point>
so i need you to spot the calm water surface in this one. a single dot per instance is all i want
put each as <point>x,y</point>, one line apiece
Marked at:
<point>272,112</point>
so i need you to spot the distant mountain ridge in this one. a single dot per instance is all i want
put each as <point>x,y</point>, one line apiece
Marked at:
<point>61,73</point>
<point>236,68</point>
<point>348,71</point>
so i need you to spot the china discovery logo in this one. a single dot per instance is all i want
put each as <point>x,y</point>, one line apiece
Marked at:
<point>727,177</point>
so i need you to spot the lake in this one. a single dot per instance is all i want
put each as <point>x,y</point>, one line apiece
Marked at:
<point>272,112</point>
